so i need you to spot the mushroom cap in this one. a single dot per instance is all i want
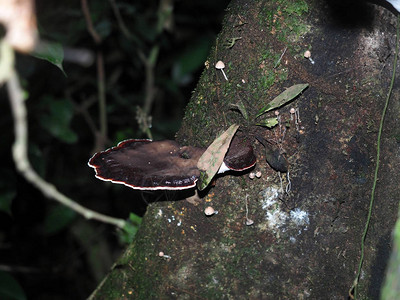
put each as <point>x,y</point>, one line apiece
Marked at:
<point>209,211</point>
<point>219,65</point>
<point>307,54</point>
<point>147,165</point>
<point>240,155</point>
<point>249,222</point>
<point>162,165</point>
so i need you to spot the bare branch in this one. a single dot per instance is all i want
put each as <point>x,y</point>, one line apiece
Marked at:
<point>20,150</point>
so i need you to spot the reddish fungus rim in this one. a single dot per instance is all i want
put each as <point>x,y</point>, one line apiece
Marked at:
<point>193,183</point>
<point>235,143</point>
<point>136,187</point>
<point>242,169</point>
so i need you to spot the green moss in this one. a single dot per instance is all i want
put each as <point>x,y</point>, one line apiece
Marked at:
<point>265,82</point>
<point>296,7</point>
<point>283,76</point>
<point>269,72</point>
<point>131,277</point>
<point>285,19</point>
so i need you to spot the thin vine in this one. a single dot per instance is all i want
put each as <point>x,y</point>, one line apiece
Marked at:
<point>353,290</point>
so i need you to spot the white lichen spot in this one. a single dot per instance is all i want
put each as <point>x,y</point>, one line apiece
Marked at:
<point>270,197</point>
<point>279,220</point>
<point>300,217</point>
<point>275,217</point>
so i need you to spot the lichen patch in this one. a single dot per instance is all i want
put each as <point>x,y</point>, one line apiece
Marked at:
<point>279,220</point>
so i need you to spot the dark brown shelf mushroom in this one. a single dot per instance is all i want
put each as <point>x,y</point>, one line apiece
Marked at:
<point>147,165</point>
<point>162,165</point>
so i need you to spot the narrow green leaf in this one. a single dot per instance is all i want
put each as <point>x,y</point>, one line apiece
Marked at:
<point>10,288</point>
<point>52,52</point>
<point>241,108</point>
<point>283,98</point>
<point>211,160</point>
<point>129,231</point>
<point>135,219</point>
<point>271,122</point>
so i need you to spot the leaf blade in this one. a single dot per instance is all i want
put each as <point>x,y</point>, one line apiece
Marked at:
<point>211,160</point>
<point>270,122</point>
<point>283,98</point>
<point>241,108</point>
<point>52,52</point>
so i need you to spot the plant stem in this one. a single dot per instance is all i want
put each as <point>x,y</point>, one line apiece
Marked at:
<point>20,155</point>
<point>101,88</point>
<point>101,137</point>
<point>378,151</point>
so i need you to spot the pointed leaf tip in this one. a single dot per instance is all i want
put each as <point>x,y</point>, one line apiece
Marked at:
<point>283,98</point>
<point>211,160</point>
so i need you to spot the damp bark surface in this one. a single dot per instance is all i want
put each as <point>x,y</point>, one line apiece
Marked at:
<point>304,243</point>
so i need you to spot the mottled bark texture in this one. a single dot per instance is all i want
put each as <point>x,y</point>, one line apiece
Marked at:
<point>305,243</point>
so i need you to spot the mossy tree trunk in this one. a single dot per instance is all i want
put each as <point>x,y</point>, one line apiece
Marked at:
<point>304,243</point>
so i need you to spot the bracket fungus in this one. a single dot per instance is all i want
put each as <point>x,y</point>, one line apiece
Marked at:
<point>162,165</point>
<point>147,165</point>
<point>240,156</point>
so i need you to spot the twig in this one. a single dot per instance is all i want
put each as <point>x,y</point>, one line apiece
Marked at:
<point>149,63</point>
<point>88,19</point>
<point>20,150</point>
<point>144,122</point>
<point>280,179</point>
<point>289,184</point>
<point>83,110</point>
<point>280,58</point>
<point>120,21</point>
<point>247,209</point>
<point>150,89</point>
<point>248,221</point>
<point>101,137</point>
<point>101,88</point>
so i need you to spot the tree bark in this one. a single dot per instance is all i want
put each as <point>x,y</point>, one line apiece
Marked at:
<point>304,243</point>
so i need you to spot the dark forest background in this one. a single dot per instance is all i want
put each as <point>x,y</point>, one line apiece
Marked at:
<point>153,53</point>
